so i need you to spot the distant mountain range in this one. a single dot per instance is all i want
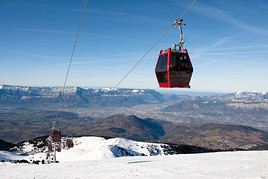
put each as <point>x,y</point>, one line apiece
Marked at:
<point>76,96</point>
<point>246,108</point>
<point>27,96</point>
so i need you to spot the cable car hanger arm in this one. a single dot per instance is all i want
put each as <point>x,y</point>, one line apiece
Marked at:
<point>179,23</point>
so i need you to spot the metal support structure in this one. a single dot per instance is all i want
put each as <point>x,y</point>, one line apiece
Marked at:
<point>179,23</point>
<point>54,152</point>
<point>54,143</point>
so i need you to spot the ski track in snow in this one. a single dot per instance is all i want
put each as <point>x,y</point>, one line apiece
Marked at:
<point>222,165</point>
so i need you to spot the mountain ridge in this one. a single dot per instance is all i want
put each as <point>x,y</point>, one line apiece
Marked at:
<point>77,96</point>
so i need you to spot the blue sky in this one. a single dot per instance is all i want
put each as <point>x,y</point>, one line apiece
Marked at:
<point>227,41</point>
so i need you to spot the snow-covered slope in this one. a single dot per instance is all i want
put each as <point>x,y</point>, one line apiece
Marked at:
<point>224,165</point>
<point>91,148</point>
<point>97,148</point>
<point>96,157</point>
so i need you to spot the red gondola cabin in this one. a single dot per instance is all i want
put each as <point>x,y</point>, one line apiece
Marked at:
<point>174,69</point>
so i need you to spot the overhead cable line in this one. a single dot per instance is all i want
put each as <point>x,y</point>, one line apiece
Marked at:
<point>82,19</point>
<point>187,9</point>
<point>142,58</point>
<point>77,33</point>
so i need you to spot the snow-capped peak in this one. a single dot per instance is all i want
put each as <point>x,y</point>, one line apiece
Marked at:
<point>238,92</point>
<point>108,89</point>
<point>250,96</point>
<point>137,91</point>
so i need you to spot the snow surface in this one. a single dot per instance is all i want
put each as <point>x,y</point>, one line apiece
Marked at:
<point>92,157</point>
<point>27,147</point>
<point>222,165</point>
<point>86,148</point>
<point>92,148</point>
<point>98,148</point>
